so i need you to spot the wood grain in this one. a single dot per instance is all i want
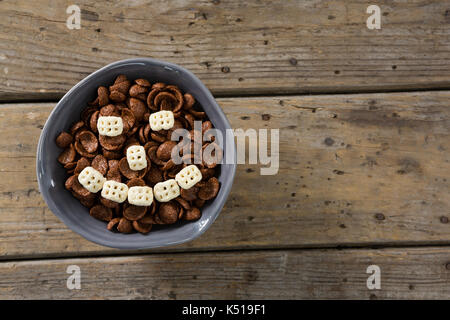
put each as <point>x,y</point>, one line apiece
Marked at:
<point>236,48</point>
<point>311,274</point>
<point>364,169</point>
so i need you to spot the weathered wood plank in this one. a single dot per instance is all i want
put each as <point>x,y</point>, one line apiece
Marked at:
<point>234,47</point>
<point>361,169</point>
<point>310,274</point>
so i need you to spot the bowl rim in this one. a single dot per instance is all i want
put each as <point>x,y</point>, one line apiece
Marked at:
<point>231,147</point>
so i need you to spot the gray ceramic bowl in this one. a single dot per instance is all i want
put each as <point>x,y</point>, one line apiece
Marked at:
<point>51,175</point>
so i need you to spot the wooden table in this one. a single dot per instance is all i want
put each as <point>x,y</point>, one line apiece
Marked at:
<point>364,119</point>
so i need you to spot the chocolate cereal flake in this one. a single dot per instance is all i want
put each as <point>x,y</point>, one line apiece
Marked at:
<point>100,164</point>
<point>101,212</point>
<point>64,140</point>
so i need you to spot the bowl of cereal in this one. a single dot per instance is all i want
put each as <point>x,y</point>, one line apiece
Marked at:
<point>137,155</point>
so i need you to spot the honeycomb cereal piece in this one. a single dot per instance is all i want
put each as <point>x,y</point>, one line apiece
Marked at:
<point>166,191</point>
<point>110,126</point>
<point>136,158</point>
<point>188,177</point>
<point>161,120</point>
<point>115,191</point>
<point>140,196</point>
<point>91,179</point>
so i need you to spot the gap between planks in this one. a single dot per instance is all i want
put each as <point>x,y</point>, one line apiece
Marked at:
<point>55,98</point>
<point>136,253</point>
